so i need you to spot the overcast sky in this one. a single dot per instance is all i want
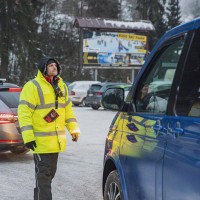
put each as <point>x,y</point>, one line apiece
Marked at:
<point>185,4</point>
<point>186,9</point>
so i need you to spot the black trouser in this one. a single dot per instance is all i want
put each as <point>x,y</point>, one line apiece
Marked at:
<point>45,169</point>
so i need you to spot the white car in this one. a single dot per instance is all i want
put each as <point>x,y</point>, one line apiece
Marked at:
<point>78,91</point>
<point>159,85</point>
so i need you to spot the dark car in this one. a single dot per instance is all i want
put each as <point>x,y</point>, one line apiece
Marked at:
<point>126,88</point>
<point>95,92</point>
<point>152,149</point>
<point>10,134</point>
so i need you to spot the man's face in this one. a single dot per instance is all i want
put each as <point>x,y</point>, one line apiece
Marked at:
<point>52,70</point>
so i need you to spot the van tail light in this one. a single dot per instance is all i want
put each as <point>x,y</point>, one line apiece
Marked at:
<point>7,118</point>
<point>99,93</point>
<point>15,89</point>
<point>73,93</point>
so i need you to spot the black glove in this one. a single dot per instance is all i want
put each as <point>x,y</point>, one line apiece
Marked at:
<point>31,145</point>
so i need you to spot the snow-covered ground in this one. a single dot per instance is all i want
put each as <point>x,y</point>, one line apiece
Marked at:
<point>79,173</point>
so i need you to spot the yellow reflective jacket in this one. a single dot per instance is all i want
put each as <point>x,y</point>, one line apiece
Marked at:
<point>37,99</point>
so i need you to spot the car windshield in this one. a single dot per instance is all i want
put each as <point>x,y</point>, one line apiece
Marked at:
<point>71,86</point>
<point>95,87</point>
<point>11,99</point>
<point>110,85</point>
<point>82,87</point>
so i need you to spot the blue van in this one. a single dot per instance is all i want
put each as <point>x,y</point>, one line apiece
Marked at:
<point>152,149</point>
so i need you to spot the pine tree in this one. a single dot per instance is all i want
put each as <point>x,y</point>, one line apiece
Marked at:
<point>153,10</point>
<point>25,40</point>
<point>5,36</point>
<point>159,19</point>
<point>103,8</point>
<point>18,39</point>
<point>173,13</point>
<point>143,8</point>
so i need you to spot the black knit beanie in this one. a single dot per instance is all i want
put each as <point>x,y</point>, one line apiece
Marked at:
<point>42,65</point>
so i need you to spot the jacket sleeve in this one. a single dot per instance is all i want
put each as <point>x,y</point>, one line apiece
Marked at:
<point>26,108</point>
<point>70,119</point>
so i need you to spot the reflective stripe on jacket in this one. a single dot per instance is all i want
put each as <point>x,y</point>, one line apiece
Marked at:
<point>37,99</point>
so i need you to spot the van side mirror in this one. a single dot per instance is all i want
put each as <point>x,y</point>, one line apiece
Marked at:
<point>113,99</point>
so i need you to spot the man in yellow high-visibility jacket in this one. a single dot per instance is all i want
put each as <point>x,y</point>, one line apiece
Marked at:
<point>45,112</point>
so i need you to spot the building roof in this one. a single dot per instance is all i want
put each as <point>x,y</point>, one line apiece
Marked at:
<point>97,23</point>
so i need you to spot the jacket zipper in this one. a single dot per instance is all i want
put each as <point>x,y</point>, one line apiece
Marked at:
<point>56,103</point>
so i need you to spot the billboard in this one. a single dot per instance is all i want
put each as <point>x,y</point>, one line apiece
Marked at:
<point>113,49</point>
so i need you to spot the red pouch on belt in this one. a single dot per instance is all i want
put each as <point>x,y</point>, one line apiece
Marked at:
<point>51,116</point>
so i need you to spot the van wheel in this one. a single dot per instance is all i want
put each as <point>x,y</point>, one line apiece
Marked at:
<point>113,190</point>
<point>95,107</point>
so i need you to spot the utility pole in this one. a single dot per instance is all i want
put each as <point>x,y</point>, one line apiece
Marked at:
<point>120,9</point>
<point>83,6</point>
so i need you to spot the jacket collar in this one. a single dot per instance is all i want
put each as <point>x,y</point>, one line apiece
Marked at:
<point>40,76</point>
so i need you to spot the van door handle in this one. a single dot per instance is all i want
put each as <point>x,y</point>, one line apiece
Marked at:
<point>177,131</point>
<point>157,128</point>
<point>168,130</point>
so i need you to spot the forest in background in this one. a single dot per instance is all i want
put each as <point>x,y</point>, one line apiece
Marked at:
<point>32,29</point>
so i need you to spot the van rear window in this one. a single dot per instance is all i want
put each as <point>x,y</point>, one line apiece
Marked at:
<point>11,99</point>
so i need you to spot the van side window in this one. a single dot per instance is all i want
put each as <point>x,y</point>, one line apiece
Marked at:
<point>153,92</point>
<point>188,98</point>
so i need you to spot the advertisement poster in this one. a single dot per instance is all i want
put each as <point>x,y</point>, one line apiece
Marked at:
<point>113,49</point>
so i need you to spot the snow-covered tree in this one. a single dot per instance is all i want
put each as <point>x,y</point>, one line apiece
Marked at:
<point>153,10</point>
<point>173,13</point>
<point>103,8</point>
<point>18,38</point>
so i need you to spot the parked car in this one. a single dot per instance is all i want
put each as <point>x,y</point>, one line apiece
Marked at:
<point>152,149</point>
<point>78,91</point>
<point>10,134</point>
<point>67,83</point>
<point>126,88</point>
<point>95,92</point>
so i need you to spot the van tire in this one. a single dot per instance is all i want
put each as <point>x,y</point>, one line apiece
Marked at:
<point>95,107</point>
<point>113,186</point>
